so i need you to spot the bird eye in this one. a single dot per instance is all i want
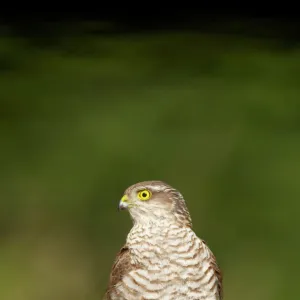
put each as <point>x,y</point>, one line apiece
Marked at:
<point>144,195</point>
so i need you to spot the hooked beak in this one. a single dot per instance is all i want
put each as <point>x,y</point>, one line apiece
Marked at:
<point>123,204</point>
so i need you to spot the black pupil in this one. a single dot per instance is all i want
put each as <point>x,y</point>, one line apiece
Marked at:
<point>144,195</point>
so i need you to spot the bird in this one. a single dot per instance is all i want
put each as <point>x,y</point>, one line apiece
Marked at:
<point>162,257</point>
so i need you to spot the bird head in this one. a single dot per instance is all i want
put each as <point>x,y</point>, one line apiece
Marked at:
<point>155,201</point>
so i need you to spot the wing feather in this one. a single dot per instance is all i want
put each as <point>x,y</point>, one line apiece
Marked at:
<point>217,271</point>
<point>121,266</point>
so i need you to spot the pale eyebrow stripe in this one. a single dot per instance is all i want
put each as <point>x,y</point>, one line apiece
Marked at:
<point>156,188</point>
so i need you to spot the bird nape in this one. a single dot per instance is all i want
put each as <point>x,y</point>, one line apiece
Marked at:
<point>162,258</point>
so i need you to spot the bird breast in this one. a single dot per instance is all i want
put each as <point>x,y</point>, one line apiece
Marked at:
<point>172,263</point>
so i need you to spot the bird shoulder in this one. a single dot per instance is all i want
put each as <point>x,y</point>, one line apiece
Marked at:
<point>217,271</point>
<point>121,266</point>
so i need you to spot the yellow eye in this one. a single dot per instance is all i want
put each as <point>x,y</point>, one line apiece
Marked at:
<point>144,195</point>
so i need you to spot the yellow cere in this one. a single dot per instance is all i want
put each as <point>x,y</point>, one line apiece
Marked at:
<point>124,198</point>
<point>144,195</point>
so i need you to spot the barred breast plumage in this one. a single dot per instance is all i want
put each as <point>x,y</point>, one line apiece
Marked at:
<point>165,260</point>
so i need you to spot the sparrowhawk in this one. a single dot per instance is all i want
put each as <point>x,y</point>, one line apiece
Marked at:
<point>162,258</point>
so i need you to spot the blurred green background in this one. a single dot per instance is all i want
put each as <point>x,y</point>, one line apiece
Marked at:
<point>84,116</point>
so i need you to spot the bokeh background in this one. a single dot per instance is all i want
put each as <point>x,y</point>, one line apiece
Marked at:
<point>89,108</point>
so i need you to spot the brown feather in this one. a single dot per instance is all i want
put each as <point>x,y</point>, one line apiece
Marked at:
<point>121,266</point>
<point>217,271</point>
<point>219,276</point>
